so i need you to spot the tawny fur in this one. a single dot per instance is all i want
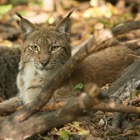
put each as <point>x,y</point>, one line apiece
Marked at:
<point>103,67</point>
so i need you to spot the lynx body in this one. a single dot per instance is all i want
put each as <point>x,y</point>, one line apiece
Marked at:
<point>45,51</point>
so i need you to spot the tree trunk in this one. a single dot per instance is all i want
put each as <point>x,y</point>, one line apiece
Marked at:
<point>8,73</point>
<point>128,79</point>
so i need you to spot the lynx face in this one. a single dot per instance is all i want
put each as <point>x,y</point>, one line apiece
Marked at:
<point>46,49</point>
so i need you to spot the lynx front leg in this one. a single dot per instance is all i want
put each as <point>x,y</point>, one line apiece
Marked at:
<point>31,94</point>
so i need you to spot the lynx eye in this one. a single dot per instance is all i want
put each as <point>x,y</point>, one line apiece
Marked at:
<point>34,48</point>
<point>54,48</point>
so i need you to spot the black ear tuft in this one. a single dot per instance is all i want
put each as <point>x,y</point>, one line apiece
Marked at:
<point>69,14</point>
<point>64,26</point>
<point>26,26</point>
<point>19,15</point>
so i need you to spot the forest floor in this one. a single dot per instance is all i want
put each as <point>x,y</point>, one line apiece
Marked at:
<point>87,19</point>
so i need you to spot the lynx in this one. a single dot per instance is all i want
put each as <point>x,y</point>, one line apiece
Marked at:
<point>45,50</point>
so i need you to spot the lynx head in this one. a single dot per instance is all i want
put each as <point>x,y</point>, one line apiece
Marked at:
<point>45,48</point>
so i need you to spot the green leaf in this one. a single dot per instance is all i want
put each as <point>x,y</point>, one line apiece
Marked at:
<point>5,8</point>
<point>76,124</point>
<point>79,86</point>
<point>64,135</point>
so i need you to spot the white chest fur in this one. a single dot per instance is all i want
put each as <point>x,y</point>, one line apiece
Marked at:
<point>30,82</point>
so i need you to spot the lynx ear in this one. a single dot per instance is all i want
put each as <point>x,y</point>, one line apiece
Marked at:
<point>64,26</point>
<point>26,26</point>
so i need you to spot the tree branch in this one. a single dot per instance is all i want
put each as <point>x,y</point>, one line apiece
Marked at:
<point>41,122</point>
<point>110,107</point>
<point>126,27</point>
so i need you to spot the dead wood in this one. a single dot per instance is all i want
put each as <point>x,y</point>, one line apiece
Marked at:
<point>110,107</point>
<point>10,106</point>
<point>126,27</point>
<point>41,122</point>
<point>129,80</point>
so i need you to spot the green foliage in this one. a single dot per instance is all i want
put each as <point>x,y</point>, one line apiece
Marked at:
<point>22,12</point>
<point>5,8</point>
<point>15,1</point>
<point>81,131</point>
<point>64,135</point>
<point>106,23</point>
<point>79,86</point>
<point>18,1</point>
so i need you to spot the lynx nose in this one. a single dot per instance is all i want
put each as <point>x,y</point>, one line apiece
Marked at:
<point>44,62</point>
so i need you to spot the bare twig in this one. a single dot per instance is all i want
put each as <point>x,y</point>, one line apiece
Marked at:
<point>117,108</point>
<point>136,56</point>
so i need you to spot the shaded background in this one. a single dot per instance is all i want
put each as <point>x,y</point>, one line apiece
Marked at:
<point>88,17</point>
